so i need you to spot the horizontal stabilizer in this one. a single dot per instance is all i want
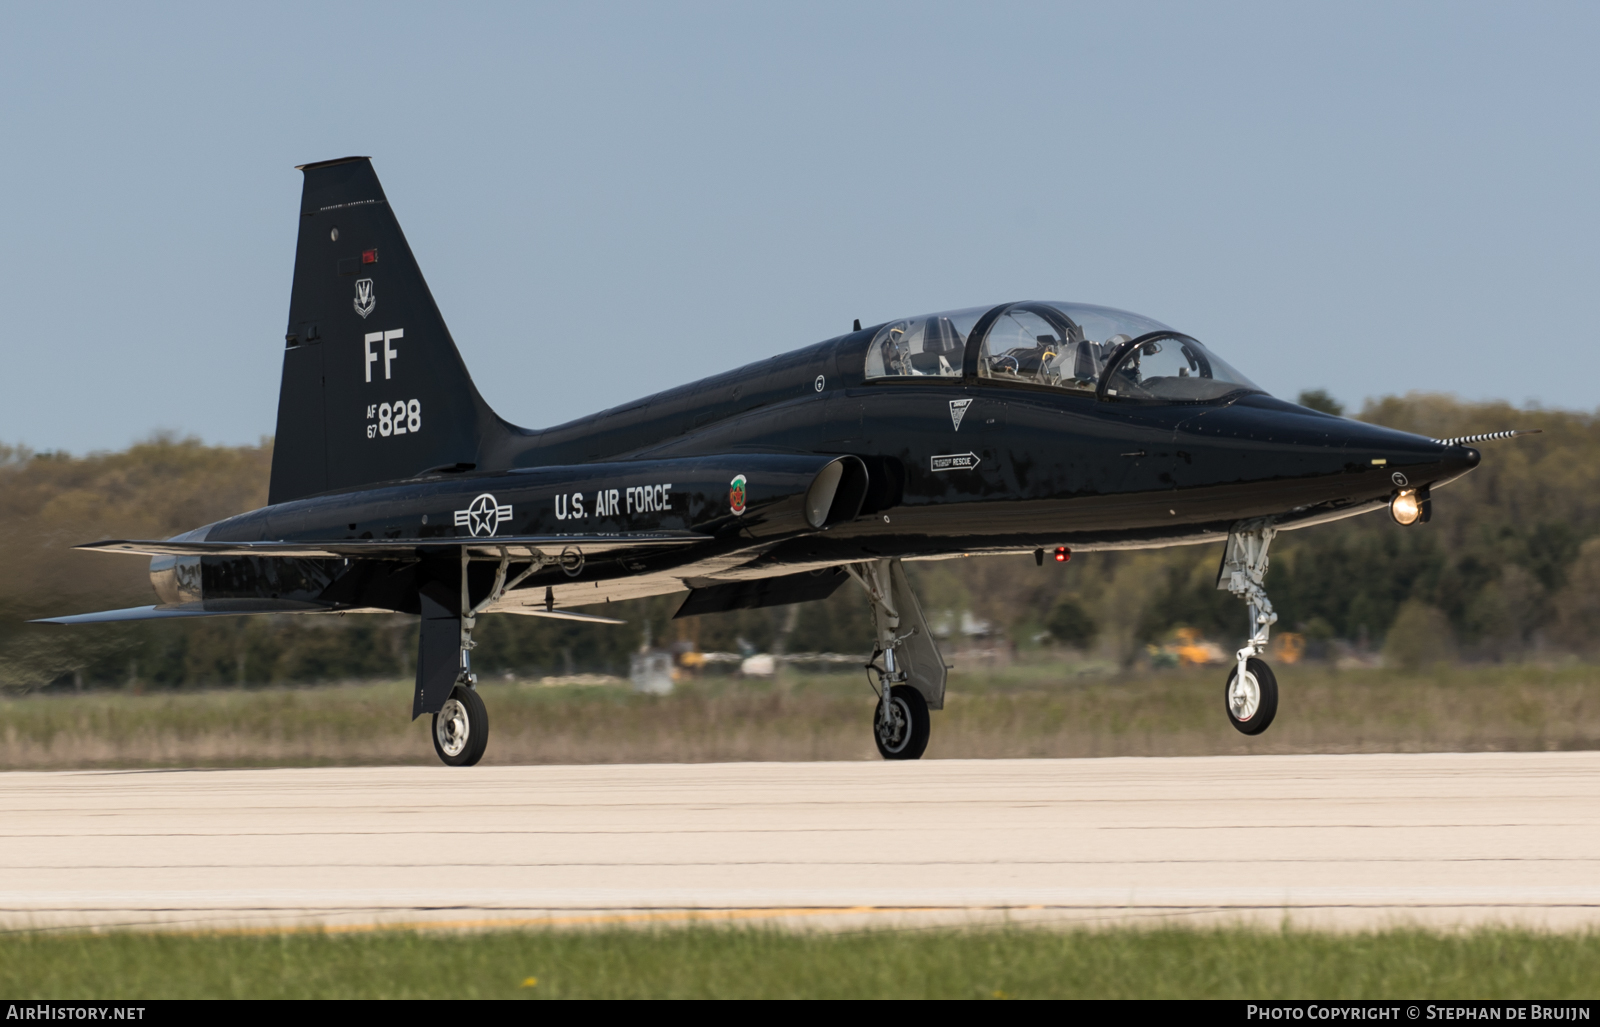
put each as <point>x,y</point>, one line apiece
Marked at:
<point>391,549</point>
<point>209,608</point>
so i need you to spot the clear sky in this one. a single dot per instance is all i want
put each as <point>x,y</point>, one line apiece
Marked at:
<point>609,199</point>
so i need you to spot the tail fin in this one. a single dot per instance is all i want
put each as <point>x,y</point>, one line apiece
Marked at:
<point>373,387</point>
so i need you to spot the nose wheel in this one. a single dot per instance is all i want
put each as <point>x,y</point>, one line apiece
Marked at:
<point>461,728</point>
<point>1252,692</point>
<point>901,725</point>
<point>1251,698</point>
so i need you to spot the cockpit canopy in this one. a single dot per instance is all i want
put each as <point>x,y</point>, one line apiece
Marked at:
<point>1070,346</point>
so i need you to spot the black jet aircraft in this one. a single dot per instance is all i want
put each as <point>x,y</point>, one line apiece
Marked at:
<point>1026,427</point>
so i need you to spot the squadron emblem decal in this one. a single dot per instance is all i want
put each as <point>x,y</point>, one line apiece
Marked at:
<point>366,298</point>
<point>736,495</point>
<point>484,516</point>
<point>958,410</point>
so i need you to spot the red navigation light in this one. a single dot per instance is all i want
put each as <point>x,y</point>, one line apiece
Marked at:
<point>1063,554</point>
<point>369,256</point>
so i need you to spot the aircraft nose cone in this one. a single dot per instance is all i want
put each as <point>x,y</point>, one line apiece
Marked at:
<point>1360,460</point>
<point>1432,461</point>
<point>1413,460</point>
<point>1451,462</point>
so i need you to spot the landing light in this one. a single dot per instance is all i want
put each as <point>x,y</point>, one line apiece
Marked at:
<point>1405,507</point>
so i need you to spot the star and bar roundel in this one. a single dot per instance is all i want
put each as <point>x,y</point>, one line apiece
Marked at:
<point>483,516</point>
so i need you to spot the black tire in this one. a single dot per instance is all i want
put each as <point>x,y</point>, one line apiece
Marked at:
<point>909,737</point>
<point>1258,720</point>
<point>461,728</point>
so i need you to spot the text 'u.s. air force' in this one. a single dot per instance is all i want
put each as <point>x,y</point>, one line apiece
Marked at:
<point>635,499</point>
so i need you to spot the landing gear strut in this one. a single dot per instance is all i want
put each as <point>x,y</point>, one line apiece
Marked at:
<point>910,671</point>
<point>1251,695</point>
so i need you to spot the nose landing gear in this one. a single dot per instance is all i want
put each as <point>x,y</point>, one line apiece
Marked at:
<point>1251,695</point>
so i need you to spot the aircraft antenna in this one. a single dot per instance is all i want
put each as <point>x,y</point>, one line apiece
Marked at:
<point>1467,440</point>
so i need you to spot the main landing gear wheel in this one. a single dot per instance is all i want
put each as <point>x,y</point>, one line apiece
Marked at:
<point>1252,702</point>
<point>461,728</point>
<point>903,734</point>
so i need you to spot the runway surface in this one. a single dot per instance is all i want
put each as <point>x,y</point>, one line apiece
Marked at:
<point>1335,841</point>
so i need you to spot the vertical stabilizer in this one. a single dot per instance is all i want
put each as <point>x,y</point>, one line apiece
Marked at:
<point>373,387</point>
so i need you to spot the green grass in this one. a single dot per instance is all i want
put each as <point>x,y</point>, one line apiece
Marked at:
<point>1023,711</point>
<point>1026,710</point>
<point>709,962</point>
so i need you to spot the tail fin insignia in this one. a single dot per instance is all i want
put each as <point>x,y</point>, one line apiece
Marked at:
<point>366,298</point>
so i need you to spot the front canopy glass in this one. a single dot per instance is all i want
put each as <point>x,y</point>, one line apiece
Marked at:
<point>1173,368</point>
<point>1069,346</point>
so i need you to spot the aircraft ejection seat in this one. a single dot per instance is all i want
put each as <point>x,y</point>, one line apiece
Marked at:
<point>942,348</point>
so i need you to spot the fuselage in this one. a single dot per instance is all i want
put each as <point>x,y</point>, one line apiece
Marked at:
<point>955,465</point>
<point>1043,467</point>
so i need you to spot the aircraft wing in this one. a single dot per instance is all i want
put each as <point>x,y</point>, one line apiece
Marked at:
<point>394,549</point>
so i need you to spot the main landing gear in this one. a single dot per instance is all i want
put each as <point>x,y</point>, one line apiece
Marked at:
<point>900,724</point>
<point>1251,695</point>
<point>909,670</point>
<point>446,686</point>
